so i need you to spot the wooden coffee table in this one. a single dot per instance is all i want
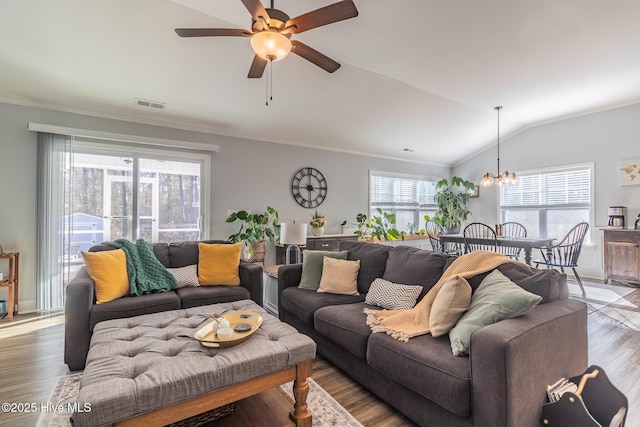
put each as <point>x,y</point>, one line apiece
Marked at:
<point>149,370</point>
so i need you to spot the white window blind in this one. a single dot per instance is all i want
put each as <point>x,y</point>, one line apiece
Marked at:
<point>571,186</point>
<point>549,202</point>
<point>409,197</point>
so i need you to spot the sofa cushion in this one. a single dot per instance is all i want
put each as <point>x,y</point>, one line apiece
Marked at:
<point>218,263</point>
<point>303,303</point>
<point>346,326</point>
<point>425,365</point>
<point>413,266</point>
<point>205,295</point>
<point>373,259</point>
<point>130,306</point>
<point>339,276</point>
<point>496,299</point>
<point>550,284</point>
<point>108,270</point>
<point>312,266</point>
<point>392,296</point>
<point>161,251</point>
<point>186,253</point>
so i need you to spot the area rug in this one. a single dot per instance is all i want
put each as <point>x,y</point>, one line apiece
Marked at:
<point>607,304</point>
<point>325,410</point>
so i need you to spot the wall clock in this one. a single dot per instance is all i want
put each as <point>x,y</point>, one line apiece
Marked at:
<point>309,187</point>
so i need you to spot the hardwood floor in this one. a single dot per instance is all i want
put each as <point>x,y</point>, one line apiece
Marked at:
<point>31,350</point>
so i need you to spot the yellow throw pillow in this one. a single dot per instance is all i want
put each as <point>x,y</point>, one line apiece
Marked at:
<point>218,263</point>
<point>451,302</point>
<point>339,276</point>
<point>108,269</point>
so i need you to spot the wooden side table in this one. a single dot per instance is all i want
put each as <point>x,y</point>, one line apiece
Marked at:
<point>12,283</point>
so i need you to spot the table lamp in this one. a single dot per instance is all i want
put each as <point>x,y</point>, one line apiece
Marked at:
<point>293,234</point>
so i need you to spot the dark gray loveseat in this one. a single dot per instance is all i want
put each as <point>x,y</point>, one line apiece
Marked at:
<point>501,383</point>
<point>82,313</point>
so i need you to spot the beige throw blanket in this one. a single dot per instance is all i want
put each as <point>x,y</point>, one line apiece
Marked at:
<point>405,324</point>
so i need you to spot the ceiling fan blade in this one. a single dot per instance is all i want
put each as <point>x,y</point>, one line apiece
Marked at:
<point>313,56</point>
<point>212,32</point>
<point>325,15</point>
<point>257,67</point>
<point>257,10</point>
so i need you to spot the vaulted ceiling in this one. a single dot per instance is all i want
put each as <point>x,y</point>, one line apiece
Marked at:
<point>418,74</point>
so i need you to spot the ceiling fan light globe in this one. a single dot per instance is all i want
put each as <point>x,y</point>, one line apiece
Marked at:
<point>270,45</point>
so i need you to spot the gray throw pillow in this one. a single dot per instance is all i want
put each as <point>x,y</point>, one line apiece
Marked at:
<point>312,267</point>
<point>496,298</point>
<point>185,276</point>
<point>392,296</point>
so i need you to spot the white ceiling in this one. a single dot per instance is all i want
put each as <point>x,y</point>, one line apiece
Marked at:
<point>420,74</point>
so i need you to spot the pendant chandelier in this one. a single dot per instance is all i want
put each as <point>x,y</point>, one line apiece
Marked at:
<point>505,178</point>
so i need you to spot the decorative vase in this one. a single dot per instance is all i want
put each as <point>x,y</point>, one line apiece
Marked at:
<point>317,231</point>
<point>258,249</point>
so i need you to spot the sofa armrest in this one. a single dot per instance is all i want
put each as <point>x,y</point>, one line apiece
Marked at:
<point>79,300</point>
<point>513,361</point>
<point>288,275</point>
<point>251,278</point>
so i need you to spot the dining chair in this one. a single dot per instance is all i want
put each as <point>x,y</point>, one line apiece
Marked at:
<point>512,229</point>
<point>566,253</point>
<point>478,230</point>
<point>434,230</point>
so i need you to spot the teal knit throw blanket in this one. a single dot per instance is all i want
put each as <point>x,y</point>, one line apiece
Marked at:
<point>146,273</point>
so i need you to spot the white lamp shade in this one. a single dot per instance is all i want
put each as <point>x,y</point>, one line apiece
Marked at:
<point>293,233</point>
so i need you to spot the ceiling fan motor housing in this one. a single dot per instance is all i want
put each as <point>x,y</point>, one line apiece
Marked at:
<point>278,20</point>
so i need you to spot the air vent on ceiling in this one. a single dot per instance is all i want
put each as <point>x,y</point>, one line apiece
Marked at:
<point>150,104</point>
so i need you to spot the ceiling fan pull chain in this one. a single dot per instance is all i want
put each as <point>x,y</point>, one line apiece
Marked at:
<point>269,83</point>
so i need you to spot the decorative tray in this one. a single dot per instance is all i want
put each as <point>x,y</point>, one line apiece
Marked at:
<point>209,338</point>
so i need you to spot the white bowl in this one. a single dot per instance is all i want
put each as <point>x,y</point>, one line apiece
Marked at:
<point>224,333</point>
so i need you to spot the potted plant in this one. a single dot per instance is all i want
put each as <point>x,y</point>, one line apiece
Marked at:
<point>362,224</point>
<point>383,226</point>
<point>452,199</point>
<point>255,230</point>
<point>317,224</point>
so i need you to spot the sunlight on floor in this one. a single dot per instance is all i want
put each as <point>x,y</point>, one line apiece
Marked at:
<point>600,294</point>
<point>20,327</point>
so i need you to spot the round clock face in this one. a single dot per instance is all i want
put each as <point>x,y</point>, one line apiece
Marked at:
<point>309,187</point>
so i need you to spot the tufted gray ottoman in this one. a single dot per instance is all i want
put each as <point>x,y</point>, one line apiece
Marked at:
<point>149,370</point>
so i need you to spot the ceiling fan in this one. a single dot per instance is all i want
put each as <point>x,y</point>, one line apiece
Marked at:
<point>272,29</point>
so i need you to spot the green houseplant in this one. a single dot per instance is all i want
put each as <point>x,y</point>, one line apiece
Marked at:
<point>255,230</point>
<point>452,199</point>
<point>363,231</point>
<point>383,226</point>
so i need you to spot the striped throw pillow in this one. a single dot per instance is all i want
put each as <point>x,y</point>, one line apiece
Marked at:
<point>392,296</point>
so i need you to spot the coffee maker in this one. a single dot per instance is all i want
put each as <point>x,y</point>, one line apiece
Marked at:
<point>617,216</point>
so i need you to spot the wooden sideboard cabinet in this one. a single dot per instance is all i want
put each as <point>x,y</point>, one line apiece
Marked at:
<point>622,255</point>
<point>327,242</point>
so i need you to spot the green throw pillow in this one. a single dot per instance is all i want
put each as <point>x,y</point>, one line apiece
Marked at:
<point>312,267</point>
<point>496,298</point>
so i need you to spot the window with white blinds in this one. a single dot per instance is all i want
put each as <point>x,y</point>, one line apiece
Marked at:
<point>549,202</point>
<point>409,197</point>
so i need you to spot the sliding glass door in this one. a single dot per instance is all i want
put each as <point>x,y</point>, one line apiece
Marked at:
<point>109,192</point>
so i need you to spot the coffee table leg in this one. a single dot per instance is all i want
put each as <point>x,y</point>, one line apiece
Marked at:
<point>300,414</point>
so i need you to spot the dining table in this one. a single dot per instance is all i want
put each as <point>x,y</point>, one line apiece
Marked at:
<point>526,243</point>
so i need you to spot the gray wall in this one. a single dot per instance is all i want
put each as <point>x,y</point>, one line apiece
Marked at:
<point>245,175</point>
<point>604,138</point>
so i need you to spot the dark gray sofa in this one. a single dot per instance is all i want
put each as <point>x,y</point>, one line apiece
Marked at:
<point>82,313</point>
<point>501,383</point>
